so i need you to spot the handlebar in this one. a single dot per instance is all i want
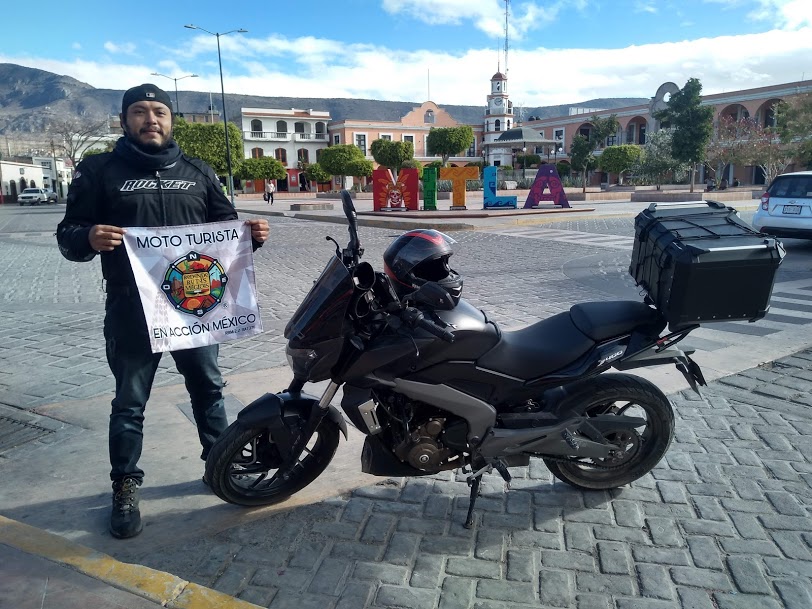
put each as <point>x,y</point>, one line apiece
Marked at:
<point>415,319</point>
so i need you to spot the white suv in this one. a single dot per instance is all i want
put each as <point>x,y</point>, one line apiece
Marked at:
<point>36,196</point>
<point>786,207</point>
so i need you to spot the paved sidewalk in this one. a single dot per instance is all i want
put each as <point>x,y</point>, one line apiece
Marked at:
<point>722,523</point>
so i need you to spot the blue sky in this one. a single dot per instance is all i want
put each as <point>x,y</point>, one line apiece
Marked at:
<point>561,51</point>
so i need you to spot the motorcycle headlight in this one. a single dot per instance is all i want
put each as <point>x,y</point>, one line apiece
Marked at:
<point>301,360</point>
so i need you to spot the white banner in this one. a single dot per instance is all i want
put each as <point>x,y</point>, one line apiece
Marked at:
<point>196,283</point>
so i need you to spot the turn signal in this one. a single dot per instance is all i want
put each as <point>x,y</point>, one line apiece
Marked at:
<point>765,201</point>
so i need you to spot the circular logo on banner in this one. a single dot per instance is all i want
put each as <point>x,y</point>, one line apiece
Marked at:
<point>195,283</point>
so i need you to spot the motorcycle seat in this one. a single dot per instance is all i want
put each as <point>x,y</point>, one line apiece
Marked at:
<point>555,342</point>
<point>604,320</point>
<point>538,349</point>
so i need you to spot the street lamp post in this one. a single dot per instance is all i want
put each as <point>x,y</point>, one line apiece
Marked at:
<point>223,94</point>
<point>177,103</point>
<point>524,160</point>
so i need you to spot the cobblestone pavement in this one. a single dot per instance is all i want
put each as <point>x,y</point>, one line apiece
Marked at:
<point>722,523</point>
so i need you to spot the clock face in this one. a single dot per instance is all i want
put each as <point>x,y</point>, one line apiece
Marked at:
<point>497,101</point>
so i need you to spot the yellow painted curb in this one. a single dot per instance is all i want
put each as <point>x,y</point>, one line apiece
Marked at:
<point>157,586</point>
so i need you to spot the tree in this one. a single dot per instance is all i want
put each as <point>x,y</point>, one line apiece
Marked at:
<point>619,159</point>
<point>449,141</point>
<point>692,124</point>
<point>315,173</point>
<point>413,164</point>
<point>656,160</point>
<point>345,160</point>
<point>262,168</point>
<point>729,142</point>
<point>794,126</point>
<point>582,150</point>
<point>765,149</point>
<point>207,141</point>
<point>391,154</point>
<point>76,136</point>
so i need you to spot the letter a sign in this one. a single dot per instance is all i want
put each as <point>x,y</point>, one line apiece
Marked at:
<point>546,177</point>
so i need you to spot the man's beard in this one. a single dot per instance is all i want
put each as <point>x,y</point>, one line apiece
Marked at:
<point>149,147</point>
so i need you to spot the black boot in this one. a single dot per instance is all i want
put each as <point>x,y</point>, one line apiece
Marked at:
<point>125,521</point>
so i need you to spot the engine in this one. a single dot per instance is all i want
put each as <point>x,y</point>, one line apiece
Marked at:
<point>423,449</point>
<point>421,435</point>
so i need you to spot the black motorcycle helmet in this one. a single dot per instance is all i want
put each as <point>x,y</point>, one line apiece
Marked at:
<point>420,256</point>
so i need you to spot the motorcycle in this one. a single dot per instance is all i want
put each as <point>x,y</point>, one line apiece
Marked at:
<point>436,385</point>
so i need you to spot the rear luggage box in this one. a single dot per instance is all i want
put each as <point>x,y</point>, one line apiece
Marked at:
<point>700,263</point>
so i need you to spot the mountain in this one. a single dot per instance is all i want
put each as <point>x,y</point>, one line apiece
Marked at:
<point>30,99</point>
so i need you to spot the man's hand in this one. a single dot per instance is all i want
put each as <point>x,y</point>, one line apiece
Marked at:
<point>259,229</point>
<point>105,238</point>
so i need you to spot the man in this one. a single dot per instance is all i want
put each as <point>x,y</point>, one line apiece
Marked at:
<point>270,188</point>
<point>145,181</point>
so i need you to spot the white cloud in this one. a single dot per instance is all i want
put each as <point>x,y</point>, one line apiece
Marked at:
<point>76,46</point>
<point>312,67</point>
<point>791,14</point>
<point>486,15</point>
<point>127,48</point>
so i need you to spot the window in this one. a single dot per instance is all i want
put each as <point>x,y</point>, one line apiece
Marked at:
<point>303,155</point>
<point>558,134</point>
<point>386,136</point>
<point>256,128</point>
<point>281,127</point>
<point>336,139</point>
<point>497,125</point>
<point>471,149</point>
<point>611,140</point>
<point>428,117</point>
<point>257,153</point>
<point>409,138</point>
<point>361,142</point>
<point>299,127</point>
<point>281,155</point>
<point>318,154</point>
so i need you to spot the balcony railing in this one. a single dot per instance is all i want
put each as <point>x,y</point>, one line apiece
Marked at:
<point>279,136</point>
<point>306,137</point>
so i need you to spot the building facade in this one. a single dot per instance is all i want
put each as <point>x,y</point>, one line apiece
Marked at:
<point>293,137</point>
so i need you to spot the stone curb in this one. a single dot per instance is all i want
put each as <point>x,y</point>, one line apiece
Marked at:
<point>163,588</point>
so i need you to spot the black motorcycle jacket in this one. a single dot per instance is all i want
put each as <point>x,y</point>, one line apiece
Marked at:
<point>128,187</point>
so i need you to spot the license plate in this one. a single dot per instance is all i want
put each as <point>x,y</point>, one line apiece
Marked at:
<point>792,209</point>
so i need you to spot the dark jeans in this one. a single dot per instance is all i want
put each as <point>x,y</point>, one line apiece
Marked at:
<point>134,365</point>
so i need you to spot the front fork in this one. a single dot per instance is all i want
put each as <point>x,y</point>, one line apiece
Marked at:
<point>318,411</point>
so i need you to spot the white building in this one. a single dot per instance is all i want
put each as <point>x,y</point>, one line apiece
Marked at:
<point>55,177</point>
<point>290,136</point>
<point>16,177</point>
<point>498,118</point>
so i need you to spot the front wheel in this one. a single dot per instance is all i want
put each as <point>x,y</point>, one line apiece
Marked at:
<point>245,467</point>
<point>637,450</point>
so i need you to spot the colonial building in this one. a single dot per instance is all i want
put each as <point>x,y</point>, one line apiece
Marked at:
<point>293,137</point>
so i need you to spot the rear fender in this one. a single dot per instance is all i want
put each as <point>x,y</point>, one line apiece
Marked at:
<point>272,409</point>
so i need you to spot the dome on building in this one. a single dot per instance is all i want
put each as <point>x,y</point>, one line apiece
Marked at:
<point>498,76</point>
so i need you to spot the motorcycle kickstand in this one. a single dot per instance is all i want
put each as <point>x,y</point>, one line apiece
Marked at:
<point>474,483</point>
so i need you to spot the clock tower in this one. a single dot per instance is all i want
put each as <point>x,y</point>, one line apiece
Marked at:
<point>498,119</point>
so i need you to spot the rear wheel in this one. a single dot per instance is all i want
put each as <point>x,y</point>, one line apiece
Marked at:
<point>243,466</point>
<point>636,450</point>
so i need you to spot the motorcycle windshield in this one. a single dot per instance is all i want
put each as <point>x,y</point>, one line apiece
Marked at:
<point>321,315</point>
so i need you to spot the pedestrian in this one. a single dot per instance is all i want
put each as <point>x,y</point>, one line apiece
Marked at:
<point>270,188</point>
<point>145,181</point>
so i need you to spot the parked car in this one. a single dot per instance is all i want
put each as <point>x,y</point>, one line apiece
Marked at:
<point>786,207</point>
<point>37,196</point>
